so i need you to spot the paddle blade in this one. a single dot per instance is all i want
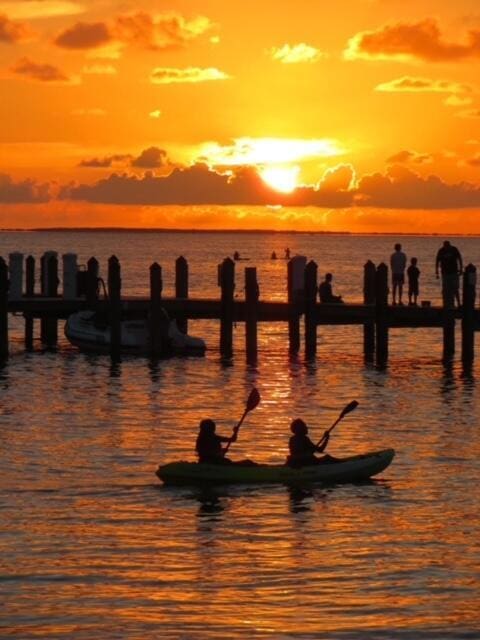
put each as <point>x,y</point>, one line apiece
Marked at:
<point>252,400</point>
<point>350,407</point>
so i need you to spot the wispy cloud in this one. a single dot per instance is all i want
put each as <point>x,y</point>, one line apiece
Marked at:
<point>469,113</point>
<point>28,9</point>
<point>409,156</point>
<point>155,114</point>
<point>292,54</point>
<point>42,72</point>
<point>403,41</point>
<point>11,32</point>
<point>99,69</point>
<point>84,35</point>
<point>416,84</point>
<point>169,75</point>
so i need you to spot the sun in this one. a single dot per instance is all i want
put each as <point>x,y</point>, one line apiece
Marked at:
<point>284,179</point>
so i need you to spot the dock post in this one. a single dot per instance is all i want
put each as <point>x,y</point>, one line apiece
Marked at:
<point>252,294</point>
<point>369,271</point>
<point>448,324</point>
<point>15,273</point>
<point>468,313</point>
<point>296,291</point>
<point>29,293</point>
<point>3,310</point>
<point>381,314</point>
<point>92,282</point>
<point>310,306</point>
<point>50,326</point>
<point>227,284</point>
<point>70,270</point>
<point>114,294</point>
<point>158,321</point>
<point>44,288</point>
<point>181,289</point>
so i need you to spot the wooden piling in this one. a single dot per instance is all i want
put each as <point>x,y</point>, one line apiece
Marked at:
<point>158,320</point>
<point>115,305</point>
<point>92,282</point>
<point>227,284</point>
<point>310,305</point>
<point>3,310</point>
<point>29,293</point>
<point>369,271</point>
<point>252,294</point>
<point>50,324</point>
<point>181,289</point>
<point>468,313</point>
<point>381,314</point>
<point>294,320</point>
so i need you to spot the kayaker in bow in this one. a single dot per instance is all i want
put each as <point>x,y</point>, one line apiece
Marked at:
<point>302,449</point>
<point>209,444</point>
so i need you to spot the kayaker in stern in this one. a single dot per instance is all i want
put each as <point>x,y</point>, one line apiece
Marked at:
<point>209,445</point>
<point>302,449</point>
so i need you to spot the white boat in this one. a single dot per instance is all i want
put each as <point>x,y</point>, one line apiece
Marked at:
<point>90,331</point>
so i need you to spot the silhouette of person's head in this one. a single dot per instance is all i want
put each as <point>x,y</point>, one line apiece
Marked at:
<point>398,247</point>
<point>207,426</point>
<point>298,427</point>
<point>446,244</point>
<point>414,261</point>
<point>328,277</point>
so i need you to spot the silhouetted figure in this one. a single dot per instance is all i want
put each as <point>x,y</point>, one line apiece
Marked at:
<point>413,274</point>
<point>302,449</point>
<point>209,444</point>
<point>450,262</point>
<point>236,256</point>
<point>398,262</point>
<point>273,256</point>
<point>325,290</point>
<point>287,254</point>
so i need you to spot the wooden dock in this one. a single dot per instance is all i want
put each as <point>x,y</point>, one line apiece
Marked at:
<point>81,291</point>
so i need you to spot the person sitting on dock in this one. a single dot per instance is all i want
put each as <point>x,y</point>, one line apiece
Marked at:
<point>325,290</point>
<point>302,449</point>
<point>209,444</point>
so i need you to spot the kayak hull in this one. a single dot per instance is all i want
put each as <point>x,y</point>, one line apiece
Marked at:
<point>352,469</point>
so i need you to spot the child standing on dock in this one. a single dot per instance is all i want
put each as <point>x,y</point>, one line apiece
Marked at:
<point>413,273</point>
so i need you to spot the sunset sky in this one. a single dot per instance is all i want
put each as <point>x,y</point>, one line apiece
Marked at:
<point>362,115</point>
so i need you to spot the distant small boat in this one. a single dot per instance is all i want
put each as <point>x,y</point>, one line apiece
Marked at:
<point>90,332</point>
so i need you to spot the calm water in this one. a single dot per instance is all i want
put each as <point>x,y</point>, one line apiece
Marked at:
<point>93,546</point>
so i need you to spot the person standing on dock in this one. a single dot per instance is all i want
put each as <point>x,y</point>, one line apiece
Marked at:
<point>449,259</point>
<point>398,262</point>
<point>413,274</point>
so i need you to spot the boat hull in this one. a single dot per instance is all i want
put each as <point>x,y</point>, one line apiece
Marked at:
<point>352,469</point>
<point>84,332</point>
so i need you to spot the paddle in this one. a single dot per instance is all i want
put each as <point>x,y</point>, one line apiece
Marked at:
<point>350,407</point>
<point>252,401</point>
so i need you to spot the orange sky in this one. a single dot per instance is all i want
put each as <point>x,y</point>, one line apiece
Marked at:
<point>363,115</point>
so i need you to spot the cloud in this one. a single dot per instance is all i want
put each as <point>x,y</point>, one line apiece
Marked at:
<point>151,158</point>
<point>106,162</point>
<point>99,69</point>
<point>469,113</point>
<point>409,156</point>
<point>40,8</point>
<point>155,114</point>
<point>475,161</point>
<point>27,191</point>
<point>11,32</point>
<point>164,31</point>
<point>415,84</point>
<point>301,52</point>
<point>404,41</point>
<point>169,75</point>
<point>41,72</point>
<point>400,188</point>
<point>89,112</point>
<point>457,101</point>
<point>84,35</point>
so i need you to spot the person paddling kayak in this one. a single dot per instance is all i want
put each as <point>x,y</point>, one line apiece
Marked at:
<point>302,449</point>
<point>209,444</point>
